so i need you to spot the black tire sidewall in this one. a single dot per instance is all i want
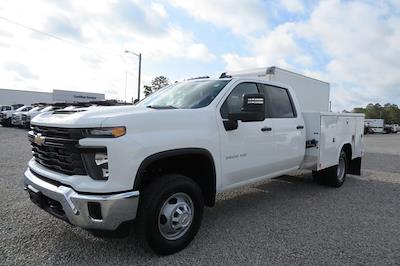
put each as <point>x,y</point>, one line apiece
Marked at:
<point>159,194</point>
<point>344,155</point>
<point>338,182</point>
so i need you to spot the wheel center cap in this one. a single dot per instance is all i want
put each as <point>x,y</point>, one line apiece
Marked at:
<point>184,219</point>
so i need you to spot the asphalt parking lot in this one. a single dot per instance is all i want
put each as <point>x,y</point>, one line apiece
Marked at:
<point>284,221</point>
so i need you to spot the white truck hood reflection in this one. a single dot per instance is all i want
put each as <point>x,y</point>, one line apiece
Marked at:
<point>78,118</point>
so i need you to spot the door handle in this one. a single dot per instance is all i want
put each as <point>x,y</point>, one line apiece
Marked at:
<point>299,127</point>
<point>266,129</point>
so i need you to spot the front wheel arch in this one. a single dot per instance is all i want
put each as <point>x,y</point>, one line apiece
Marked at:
<point>202,169</point>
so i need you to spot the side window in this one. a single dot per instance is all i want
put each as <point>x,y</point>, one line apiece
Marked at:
<point>279,102</point>
<point>233,104</point>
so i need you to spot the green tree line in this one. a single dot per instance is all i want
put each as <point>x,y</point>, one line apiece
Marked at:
<point>389,112</point>
<point>156,84</point>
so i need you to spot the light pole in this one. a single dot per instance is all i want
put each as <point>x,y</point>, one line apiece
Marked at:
<point>126,82</point>
<point>140,69</point>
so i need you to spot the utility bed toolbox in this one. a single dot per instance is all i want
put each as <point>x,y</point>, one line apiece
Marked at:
<point>326,134</point>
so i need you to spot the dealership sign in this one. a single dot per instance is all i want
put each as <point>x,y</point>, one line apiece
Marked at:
<point>76,96</point>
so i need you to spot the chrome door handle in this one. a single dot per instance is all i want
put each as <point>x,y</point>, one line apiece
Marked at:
<point>266,129</point>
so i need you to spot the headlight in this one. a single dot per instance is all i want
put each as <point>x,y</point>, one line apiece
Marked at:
<point>108,132</point>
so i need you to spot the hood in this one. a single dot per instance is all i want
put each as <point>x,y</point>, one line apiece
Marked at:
<point>83,117</point>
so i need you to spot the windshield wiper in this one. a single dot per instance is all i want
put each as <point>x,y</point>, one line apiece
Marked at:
<point>161,107</point>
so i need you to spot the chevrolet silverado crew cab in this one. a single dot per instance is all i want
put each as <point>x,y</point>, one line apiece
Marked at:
<point>158,163</point>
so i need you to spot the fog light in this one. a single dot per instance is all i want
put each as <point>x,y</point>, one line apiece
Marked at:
<point>96,164</point>
<point>101,160</point>
<point>95,210</point>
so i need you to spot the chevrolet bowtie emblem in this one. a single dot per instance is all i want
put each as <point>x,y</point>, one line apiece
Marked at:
<point>39,139</point>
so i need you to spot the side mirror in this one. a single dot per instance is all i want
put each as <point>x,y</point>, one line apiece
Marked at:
<point>253,109</point>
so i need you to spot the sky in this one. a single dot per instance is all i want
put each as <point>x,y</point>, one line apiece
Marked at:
<point>79,45</point>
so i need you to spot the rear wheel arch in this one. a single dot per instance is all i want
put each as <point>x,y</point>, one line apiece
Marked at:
<point>195,163</point>
<point>347,148</point>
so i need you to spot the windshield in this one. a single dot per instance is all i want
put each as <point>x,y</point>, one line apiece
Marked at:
<point>186,95</point>
<point>5,108</point>
<point>21,109</point>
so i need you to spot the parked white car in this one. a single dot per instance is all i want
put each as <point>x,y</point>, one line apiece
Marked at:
<point>161,161</point>
<point>8,111</point>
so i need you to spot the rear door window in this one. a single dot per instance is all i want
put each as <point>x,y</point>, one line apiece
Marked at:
<point>279,102</point>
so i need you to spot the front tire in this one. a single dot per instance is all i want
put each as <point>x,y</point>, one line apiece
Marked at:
<point>170,213</point>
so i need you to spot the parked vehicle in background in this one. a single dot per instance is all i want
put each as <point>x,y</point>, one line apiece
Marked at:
<point>391,129</point>
<point>375,125</point>
<point>27,116</point>
<point>368,130</point>
<point>387,129</point>
<point>161,161</point>
<point>395,128</point>
<point>16,116</point>
<point>45,109</point>
<point>8,111</point>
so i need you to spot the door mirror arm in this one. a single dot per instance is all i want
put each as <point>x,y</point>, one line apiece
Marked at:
<point>253,109</point>
<point>230,124</point>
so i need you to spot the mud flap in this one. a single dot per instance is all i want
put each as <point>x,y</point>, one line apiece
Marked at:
<point>355,166</point>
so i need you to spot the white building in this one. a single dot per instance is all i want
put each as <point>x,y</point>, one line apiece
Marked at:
<point>8,97</point>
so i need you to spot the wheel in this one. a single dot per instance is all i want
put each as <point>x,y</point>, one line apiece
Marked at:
<point>339,172</point>
<point>333,176</point>
<point>170,213</point>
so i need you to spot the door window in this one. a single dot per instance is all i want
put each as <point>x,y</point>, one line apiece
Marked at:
<point>233,104</point>
<point>279,102</point>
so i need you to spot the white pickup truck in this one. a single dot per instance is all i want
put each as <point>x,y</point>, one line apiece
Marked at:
<point>160,162</point>
<point>7,111</point>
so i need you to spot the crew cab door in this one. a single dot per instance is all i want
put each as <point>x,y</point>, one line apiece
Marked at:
<point>248,151</point>
<point>288,127</point>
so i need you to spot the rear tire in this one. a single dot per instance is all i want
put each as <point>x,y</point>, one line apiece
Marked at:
<point>170,213</point>
<point>333,176</point>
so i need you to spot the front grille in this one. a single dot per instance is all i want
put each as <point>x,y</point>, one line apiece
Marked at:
<point>24,118</point>
<point>59,150</point>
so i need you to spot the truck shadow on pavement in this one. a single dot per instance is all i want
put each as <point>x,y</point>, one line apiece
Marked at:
<point>286,216</point>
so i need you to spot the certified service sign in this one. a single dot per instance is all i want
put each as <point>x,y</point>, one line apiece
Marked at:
<point>76,96</point>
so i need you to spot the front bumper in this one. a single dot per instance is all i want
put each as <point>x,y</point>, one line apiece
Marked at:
<point>73,207</point>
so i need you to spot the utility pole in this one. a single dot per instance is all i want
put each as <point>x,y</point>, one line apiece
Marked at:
<point>126,82</point>
<point>140,69</point>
